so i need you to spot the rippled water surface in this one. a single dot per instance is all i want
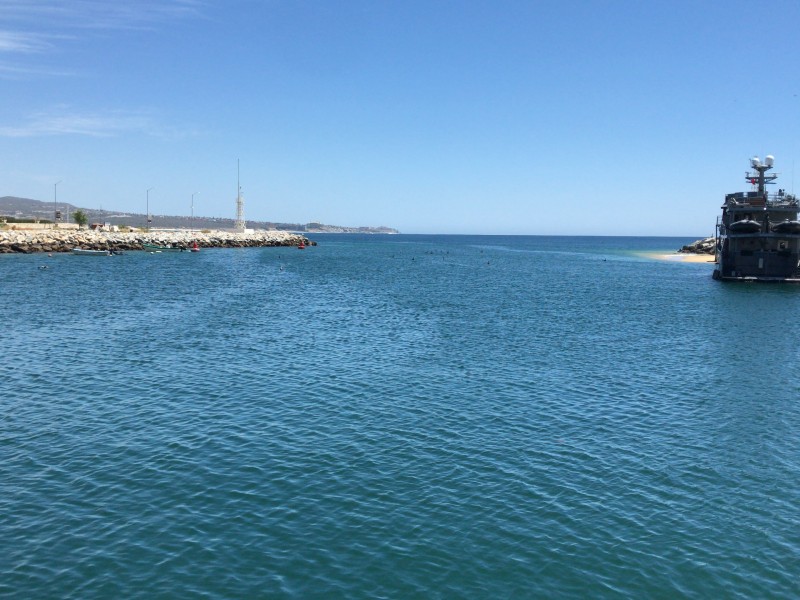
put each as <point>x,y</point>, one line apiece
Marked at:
<point>397,417</point>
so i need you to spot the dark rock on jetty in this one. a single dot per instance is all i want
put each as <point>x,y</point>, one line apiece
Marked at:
<point>705,246</point>
<point>54,240</point>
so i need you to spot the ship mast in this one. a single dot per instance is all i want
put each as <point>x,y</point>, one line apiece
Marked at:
<point>762,178</point>
<point>240,224</point>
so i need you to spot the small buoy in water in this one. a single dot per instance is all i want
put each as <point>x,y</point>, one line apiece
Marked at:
<point>42,267</point>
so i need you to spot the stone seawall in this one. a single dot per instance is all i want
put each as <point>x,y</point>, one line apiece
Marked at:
<point>704,246</point>
<point>64,241</point>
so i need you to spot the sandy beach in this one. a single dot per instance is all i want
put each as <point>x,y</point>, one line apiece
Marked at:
<point>680,257</point>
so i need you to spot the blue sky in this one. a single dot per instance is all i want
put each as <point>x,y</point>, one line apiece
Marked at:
<point>572,117</point>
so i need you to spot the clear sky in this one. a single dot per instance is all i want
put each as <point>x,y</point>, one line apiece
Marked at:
<point>431,116</point>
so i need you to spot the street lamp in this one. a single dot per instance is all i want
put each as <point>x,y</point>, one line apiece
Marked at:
<point>148,209</point>
<point>55,200</point>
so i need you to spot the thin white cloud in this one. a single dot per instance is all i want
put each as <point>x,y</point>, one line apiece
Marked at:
<point>98,14</point>
<point>111,124</point>
<point>17,71</point>
<point>39,27</point>
<point>32,34</point>
<point>15,41</point>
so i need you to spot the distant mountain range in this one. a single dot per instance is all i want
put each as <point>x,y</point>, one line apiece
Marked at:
<point>26,209</point>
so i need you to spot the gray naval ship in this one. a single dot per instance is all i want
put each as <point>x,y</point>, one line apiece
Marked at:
<point>758,234</point>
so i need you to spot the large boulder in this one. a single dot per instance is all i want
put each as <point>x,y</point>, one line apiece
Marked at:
<point>704,246</point>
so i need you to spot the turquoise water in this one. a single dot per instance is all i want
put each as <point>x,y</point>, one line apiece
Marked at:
<point>397,417</point>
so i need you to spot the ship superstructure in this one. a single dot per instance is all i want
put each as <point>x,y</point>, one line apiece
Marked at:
<point>758,234</point>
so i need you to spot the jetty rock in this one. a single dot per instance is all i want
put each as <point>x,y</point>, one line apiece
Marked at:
<point>704,246</point>
<point>55,240</point>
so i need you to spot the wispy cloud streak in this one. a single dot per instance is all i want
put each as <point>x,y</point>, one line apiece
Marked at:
<point>99,125</point>
<point>15,41</point>
<point>8,71</point>
<point>39,27</point>
<point>97,14</point>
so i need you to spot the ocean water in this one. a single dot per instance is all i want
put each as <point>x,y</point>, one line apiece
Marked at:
<point>397,417</point>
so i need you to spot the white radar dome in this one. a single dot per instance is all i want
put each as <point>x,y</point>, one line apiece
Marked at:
<point>755,161</point>
<point>769,159</point>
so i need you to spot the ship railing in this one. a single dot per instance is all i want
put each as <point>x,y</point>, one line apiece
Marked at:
<point>778,199</point>
<point>766,199</point>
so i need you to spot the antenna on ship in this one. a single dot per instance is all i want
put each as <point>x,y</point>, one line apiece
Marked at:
<point>761,179</point>
<point>240,224</point>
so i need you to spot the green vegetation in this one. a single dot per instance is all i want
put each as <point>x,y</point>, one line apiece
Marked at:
<point>80,217</point>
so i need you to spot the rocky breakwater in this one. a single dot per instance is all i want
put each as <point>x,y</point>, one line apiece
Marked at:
<point>64,241</point>
<point>704,246</point>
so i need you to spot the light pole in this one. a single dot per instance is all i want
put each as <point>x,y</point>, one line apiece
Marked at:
<point>147,225</point>
<point>192,219</point>
<point>55,205</point>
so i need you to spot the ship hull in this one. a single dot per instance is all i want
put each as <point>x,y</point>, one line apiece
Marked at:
<point>759,258</point>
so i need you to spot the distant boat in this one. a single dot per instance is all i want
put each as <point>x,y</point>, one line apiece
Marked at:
<point>167,248</point>
<point>85,252</point>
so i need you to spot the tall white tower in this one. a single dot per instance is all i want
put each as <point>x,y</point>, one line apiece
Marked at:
<point>240,224</point>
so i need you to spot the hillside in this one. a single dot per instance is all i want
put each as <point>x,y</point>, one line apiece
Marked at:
<point>25,208</point>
